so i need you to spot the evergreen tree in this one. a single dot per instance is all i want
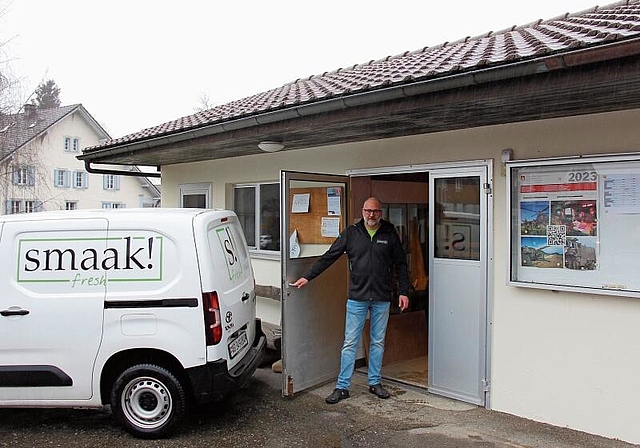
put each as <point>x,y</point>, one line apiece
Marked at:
<point>47,95</point>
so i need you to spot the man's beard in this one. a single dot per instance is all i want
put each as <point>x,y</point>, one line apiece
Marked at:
<point>372,222</point>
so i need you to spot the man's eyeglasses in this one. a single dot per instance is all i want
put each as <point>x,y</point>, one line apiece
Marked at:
<point>371,211</point>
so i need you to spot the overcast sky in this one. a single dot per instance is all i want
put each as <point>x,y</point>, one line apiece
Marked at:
<point>135,64</point>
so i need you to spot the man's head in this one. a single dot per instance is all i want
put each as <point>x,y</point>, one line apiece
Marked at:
<point>372,213</point>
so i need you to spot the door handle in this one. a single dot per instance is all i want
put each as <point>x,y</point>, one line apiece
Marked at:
<point>14,312</point>
<point>245,296</point>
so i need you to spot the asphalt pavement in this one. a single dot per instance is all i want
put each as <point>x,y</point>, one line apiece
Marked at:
<point>258,416</point>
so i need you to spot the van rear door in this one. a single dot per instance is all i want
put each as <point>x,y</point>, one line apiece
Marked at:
<point>228,285</point>
<point>51,308</point>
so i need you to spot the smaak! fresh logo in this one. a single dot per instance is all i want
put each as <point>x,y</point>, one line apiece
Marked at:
<point>83,262</point>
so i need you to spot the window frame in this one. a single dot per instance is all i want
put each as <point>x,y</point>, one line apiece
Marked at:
<point>257,186</point>
<point>83,178</point>
<point>196,189</point>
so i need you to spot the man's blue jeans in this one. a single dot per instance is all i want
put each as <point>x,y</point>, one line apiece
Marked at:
<point>356,316</point>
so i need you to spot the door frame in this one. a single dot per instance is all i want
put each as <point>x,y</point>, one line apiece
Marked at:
<point>487,189</point>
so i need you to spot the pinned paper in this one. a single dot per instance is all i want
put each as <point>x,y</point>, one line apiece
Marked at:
<point>294,247</point>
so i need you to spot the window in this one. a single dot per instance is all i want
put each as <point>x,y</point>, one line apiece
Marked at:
<point>258,208</point>
<point>195,195</point>
<point>573,224</point>
<point>29,206</point>
<point>71,205</point>
<point>80,179</point>
<point>61,178</point>
<point>113,205</point>
<point>110,182</point>
<point>24,175</point>
<point>71,144</point>
<point>14,206</point>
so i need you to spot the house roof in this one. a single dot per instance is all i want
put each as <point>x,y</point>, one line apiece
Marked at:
<point>599,27</point>
<point>17,130</point>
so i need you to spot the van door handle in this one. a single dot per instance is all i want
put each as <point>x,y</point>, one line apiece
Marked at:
<point>14,312</point>
<point>245,296</point>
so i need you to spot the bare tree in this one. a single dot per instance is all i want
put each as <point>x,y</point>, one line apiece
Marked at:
<point>21,168</point>
<point>205,103</point>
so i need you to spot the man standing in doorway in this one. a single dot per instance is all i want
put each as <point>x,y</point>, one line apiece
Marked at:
<point>374,251</point>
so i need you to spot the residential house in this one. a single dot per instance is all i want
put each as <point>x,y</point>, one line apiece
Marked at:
<point>510,164</point>
<point>40,171</point>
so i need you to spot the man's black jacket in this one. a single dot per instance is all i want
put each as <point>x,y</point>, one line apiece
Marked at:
<point>371,261</point>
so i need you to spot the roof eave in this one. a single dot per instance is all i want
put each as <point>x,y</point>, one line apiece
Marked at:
<point>544,64</point>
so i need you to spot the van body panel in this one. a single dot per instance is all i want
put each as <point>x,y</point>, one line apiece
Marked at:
<point>231,277</point>
<point>55,304</point>
<point>81,288</point>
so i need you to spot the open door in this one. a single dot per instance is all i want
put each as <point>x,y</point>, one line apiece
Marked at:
<point>313,212</point>
<point>458,267</point>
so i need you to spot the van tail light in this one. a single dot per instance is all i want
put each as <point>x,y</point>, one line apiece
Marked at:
<point>212,321</point>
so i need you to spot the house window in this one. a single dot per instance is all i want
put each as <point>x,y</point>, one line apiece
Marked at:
<point>61,178</point>
<point>14,206</point>
<point>29,206</point>
<point>110,182</point>
<point>80,179</point>
<point>258,208</point>
<point>113,205</point>
<point>195,195</point>
<point>71,205</point>
<point>71,144</point>
<point>24,175</point>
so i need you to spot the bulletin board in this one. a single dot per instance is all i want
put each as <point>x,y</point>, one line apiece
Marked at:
<point>321,211</point>
<point>574,225</point>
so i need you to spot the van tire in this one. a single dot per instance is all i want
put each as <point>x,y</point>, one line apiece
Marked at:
<point>148,401</point>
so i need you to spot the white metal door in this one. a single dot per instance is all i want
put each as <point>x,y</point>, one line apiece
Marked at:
<point>458,272</point>
<point>313,208</point>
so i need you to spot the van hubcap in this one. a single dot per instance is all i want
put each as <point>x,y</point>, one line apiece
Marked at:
<point>146,402</point>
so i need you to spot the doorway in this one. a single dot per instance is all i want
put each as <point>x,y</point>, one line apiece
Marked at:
<point>405,199</point>
<point>442,216</point>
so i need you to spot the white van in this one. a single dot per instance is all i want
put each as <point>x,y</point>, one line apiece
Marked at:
<point>142,309</point>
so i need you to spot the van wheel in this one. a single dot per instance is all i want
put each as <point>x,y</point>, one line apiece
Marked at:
<point>148,401</point>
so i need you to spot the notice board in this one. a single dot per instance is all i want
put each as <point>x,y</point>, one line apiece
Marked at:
<point>320,213</point>
<point>574,224</point>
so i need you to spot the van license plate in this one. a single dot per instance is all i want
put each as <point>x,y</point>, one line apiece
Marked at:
<point>238,344</point>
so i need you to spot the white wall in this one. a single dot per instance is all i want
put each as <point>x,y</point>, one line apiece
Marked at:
<point>564,358</point>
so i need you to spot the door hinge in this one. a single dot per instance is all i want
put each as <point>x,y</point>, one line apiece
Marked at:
<point>486,385</point>
<point>487,188</point>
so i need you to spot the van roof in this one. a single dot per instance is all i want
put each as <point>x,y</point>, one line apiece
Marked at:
<point>146,213</point>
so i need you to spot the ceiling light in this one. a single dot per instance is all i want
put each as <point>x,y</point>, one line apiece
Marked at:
<point>270,146</point>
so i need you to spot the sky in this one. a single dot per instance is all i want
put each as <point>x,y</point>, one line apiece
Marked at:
<point>136,64</point>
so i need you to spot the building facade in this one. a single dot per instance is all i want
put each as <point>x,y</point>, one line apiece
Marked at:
<point>41,171</point>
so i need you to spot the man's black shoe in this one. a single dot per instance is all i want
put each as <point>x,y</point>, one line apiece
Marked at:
<point>337,395</point>
<point>379,391</point>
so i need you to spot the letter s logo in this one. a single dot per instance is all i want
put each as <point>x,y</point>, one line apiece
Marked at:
<point>457,242</point>
<point>230,249</point>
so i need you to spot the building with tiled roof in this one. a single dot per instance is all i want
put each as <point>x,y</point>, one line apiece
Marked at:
<point>509,164</point>
<point>40,171</point>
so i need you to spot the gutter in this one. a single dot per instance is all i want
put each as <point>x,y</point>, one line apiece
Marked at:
<point>540,65</point>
